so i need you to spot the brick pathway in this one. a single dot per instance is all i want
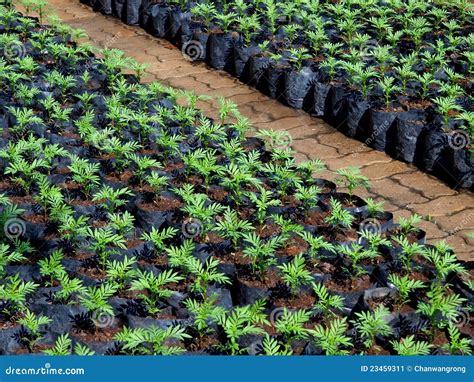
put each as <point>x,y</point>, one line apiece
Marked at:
<point>449,214</point>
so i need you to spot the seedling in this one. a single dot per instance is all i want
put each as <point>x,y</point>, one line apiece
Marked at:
<point>409,346</point>
<point>155,287</point>
<point>295,275</point>
<point>333,339</point>
<point>351,178</point>
<point>233,228</point>
<point>372,324</point>
<point>205,275</point>
<point>405,285</point>
<point>327,303</point>
<point>152,340</point>
<point>33,325</point>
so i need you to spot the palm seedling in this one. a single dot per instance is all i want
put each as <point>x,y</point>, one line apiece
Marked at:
<point>204,314</point>
<point>372,324</point>
<point>152,340</point>
<point>205,274</point>
<point>260,252</point>
<point>409,346</point>
<point>33,325</point>
<point>232,228</point>
<point>155,287</point>
<point>405,285</point>
<point>326,302</point>
<point>441,308</point>
<point>332,338</point>
<point>104,242</point>
<point>295,275</point>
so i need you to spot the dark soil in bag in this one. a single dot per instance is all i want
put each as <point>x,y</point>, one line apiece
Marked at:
<point>381,129</point>
<point>157,20</point>
<point>320,94</point>
<point>409,126</point>
<point>242,56</point>
<point>272,81</point>
<point>220,51</point>
<point>256,67</point>
<point>118,8</point>
<point>104,6</point>
<point>297,86</point>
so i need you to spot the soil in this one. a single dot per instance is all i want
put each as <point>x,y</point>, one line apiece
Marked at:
<point>269,280</point>
<point>161,204</point>
<point>349,285</point>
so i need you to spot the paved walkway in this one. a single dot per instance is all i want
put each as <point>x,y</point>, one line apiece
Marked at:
<point>449,214</point>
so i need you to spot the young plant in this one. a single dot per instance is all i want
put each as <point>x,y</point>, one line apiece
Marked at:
<point>232,228</point>
<point>405,285</point>
<point>52,267</point>
<point>155,287</point>
<point>158,237</point>
<point>101,241</point>
<point>33,325</point>
<point>327,303</point>
<point>457,345</point>
<point>372,324</point>
<point>316,244</point>
<point>409,346</point>
<point>440,308</point>
<point>151,340</point>
<point>204,313</point>
<point>260,252</point>
<point>204,275</point>
<point>14,292</point>
<point>263,200</point>
<point>295,275</point>
<point>356,253</point>
<point>332,339</point>
<point>121,272</point>
<point>235,325</point>
<point>111,198</point>
<point>351,178</point>
<point>291,324</point>
<point>338,217</point>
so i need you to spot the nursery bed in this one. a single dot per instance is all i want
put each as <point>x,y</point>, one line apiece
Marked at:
<point>132,225</point>
<point>378,74</point>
